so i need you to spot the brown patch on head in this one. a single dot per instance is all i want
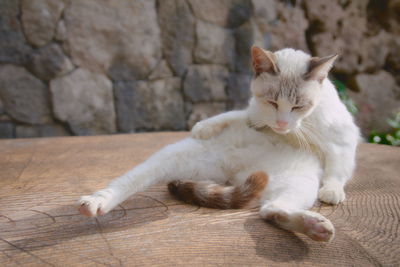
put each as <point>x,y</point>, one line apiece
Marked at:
<point>263,61</point>
<point>289,88</point>
<point>273,88</point>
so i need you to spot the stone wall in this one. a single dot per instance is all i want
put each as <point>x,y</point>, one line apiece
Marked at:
<point>83,67</point>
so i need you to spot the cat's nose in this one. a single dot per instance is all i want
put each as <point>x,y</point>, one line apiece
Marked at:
<point>281,124</point>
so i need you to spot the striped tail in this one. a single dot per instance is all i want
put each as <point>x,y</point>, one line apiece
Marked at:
<point>212,195</point>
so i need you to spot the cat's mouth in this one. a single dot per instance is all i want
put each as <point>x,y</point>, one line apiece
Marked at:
<point>280,130</point>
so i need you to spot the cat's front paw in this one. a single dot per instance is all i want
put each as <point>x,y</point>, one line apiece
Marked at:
<point>331,194</point>
<point>317,227</point>
<point>97,204</point>
<point>206,130</point>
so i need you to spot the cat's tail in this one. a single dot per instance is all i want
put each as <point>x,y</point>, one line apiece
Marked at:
<point>212,195</point>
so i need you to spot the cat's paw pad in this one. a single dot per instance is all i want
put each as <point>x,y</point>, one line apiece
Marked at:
<point>205,130</point>
<point>318,228</point>
<point>331,194</point>
<point>94,205</point>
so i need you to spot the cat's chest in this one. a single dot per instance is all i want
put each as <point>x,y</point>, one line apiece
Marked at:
<point>245,137</point>
<point>242,139</point>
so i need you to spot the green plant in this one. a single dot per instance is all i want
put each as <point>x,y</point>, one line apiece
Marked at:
<point>392,138</point>
<point>347,101</point>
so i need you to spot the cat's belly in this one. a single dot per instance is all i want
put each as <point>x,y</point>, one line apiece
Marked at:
<point>242,150</point>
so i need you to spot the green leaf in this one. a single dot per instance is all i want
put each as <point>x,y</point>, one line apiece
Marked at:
<point>340,87</point>
<point>394,123</point>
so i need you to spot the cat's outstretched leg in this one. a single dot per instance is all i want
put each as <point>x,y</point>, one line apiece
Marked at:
<point>287,208</point>
<point>213,126</point>
<point>187,159</point>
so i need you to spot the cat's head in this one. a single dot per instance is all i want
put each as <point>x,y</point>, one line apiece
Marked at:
<point>286,86</point>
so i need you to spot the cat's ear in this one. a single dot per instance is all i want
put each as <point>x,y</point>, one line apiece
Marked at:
<point>319,67</point>
<point>263,61</point>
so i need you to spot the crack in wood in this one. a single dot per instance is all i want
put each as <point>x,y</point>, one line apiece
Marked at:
<point>8,218</point>
<point>42,212</point>
<point>107,242</point>
<point>26,251</point>
<point>11,258</point>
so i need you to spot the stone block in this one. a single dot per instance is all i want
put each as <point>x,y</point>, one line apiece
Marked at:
<point>201,111</point>
<point>215,45</point>
<point>289,29</point>
<point>224,13</point>
<point>206,83</point>
<point>6,130</point>
<point>161,71</point>
<point>377,100</point>
<point>105,33</point>
<point>25,98</point>
<point>178,34</point>
<point>40,18</point>
<point>153,105</point>
<point>84,100</point>
<point>13,48</point>
<point>238,90</point>
<point>49,62</point>
<point>47,130</point>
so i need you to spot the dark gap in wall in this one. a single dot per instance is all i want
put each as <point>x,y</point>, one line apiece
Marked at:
<point>314,27</point>
<point>377,14</point>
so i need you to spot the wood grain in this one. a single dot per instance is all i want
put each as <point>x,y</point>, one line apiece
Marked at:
<point>41,180</point>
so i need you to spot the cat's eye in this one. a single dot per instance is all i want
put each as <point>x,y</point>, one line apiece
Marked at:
<point>274,104</point>
<point>297,108</point>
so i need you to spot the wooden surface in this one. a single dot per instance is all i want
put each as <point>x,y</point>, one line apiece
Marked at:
<point>41,180</point>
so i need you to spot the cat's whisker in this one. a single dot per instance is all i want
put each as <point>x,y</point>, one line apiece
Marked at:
<point>304,145</point>
<point>296,134</point>
<point>313,137</point>
<point>310,127</point>
<point>305,142</point>
<point>300,142</point>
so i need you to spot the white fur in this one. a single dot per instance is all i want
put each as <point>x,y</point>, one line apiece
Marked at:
<point>291,62</point>
<point>224,148</point>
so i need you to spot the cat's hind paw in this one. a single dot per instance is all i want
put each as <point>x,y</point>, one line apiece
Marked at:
<point>317,227</point>
<point>205,130</point>
<point>331,194</point>
<point>96,204</point>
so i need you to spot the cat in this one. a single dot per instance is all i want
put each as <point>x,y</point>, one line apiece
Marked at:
<point>294,143</point>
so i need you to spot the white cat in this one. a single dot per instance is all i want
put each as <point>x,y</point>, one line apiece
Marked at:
<point>295,129</point>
